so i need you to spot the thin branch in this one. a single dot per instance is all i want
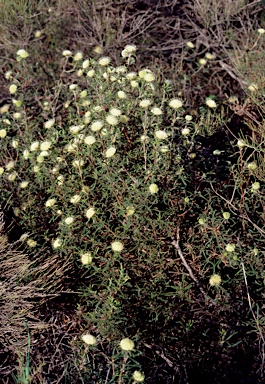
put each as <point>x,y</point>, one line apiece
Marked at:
<point>175,243</point>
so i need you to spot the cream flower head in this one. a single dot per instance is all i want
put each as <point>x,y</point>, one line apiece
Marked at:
<point>117,246</point>
<point>127,344</point>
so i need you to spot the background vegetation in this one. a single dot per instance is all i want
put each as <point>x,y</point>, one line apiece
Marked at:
<point>122,220</point>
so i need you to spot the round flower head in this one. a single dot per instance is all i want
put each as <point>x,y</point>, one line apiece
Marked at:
<point>230,247</point>
<point>161,135</point>
<point>12,89</point>
<point>215,280</point>
<point>91,73</point>
<point>17,115</point>
<point>157,111</point>
<point>210,56</point>
<point>2,170</point>
<point>188,117</point>
<point>252,166</point>
<point>90,212</point>
<point>115,112</point>
<point>75,199</point>
<point>24,184</point>
<point>121,95</point>
<point>138,376</point>
<point>12,176</point>
<point>26,154</point>
<point>89,339</point>
<point>130,210</point>
<point>255,186</point>
<point>145,103</point>
<point>49,123</point>
<point>69,220</point>
<point>45,146</point>
<point>110,152</point>
<point>241,144</point>
<point>2,133</point>
<point>149,77</point>
<point>226,215</point>
<point>130,48</point>
<point>185,131</point>
<point>34,146</point>
<point>111,120</point>
<point>4,109</point>
<point>202,61</point>
<point>31,243</point>
<point>37,34</point>
<point>10,165</point>
<point>104,61</point>
<point>86,258</point>
<point>211,103</point>
<point>175,103</point>
<point>127,344</point>
<point>50,203</point>
<point>153,188</point>
<point>253,87</point>
<point>22,53</point>
<point>261,31</point>
<point>89,140</point>
<point>57,243</point>
<point>190,44</point>
<point>117,246</point>
<point>78,56</point>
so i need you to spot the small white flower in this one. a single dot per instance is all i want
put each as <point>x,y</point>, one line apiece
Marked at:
<point>91,73</point>
<point>10,165</point>
<point>164,148</point>
<point>253,87</point>
<point>12,89</point>
<point>45,146</point>
<point>38,34</point>
<point>138,376</point>
<point>185,131</point>
<point>117,246</point>
<point>157,111</point>
<point>24,184</point>
<point>202,61</point>
<point>131,75</point>
<point>34,146</point>
<point>89,339</point>
<point>127,344</point>
<point>121,95</point>
<point>2,170</point>
<point>40,159</point>
<point>3,133</point>
<point>255,186</point>
<point>69,220</point>
<point>75,199</point>
<point>211,103</point>
<point>78,56</point>
<point>89,140</point>
<point>153,188</point>
<point>130,210</point>
<point>50,203</point>
<point>72,87</point>
<point>67,53</point>
<point>90,212</point>
<point>78,163</point>
<point>86,258</point>
<point>75,128</point>
<point>131,48</point>
<point>22,53</point>
<point>17,115</point>
<point>190,44</point>
<point>49,124</point>
<point>57,243</point>
<point>230,247</point>
<point>104,61</point>
<point>31,243</point>
<point>96,125</point>
<point>241,144</point>
<point>115,112</point>
<point>26,154</point>
<point>134,84</point>
<point>149,77</point>
<point>12,176</point>
<point>8,75</point>
<point>85,64</point>
<point>188,117</point>
<point>145,103</point>
<point>209,56</point>
<point>60,179</point>
<point>111,120</point>
<point>144,138</point>
<point>175,103</point>
<point>261,31</point>
<point>110,152</point>
<point>161,135</point>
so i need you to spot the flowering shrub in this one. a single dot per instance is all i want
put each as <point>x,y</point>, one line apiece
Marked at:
<point>104,171</point>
